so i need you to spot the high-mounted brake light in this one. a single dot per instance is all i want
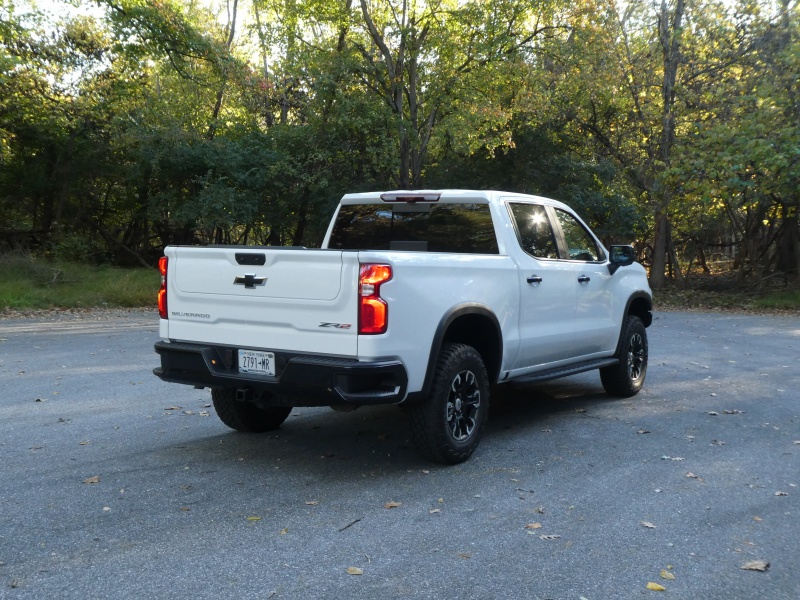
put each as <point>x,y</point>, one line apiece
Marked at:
<point>410,197</point>
<point>373,312</point>
<point>162,293</point>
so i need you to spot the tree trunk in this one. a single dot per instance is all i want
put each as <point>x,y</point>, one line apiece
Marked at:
<point>658,266</point>
<point>212,127</point>
<point>669,37</point>
<point>788,244</point>
<point>673,256</point>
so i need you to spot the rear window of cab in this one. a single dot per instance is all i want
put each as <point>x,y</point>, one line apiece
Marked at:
<point>421,227</point>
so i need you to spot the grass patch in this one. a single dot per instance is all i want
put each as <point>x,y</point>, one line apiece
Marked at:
<point>29,283</point>
<point>724,293</point>
<point>786,300</point>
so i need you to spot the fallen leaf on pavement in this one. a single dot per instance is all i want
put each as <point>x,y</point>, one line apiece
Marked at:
<point>712,413</point>
<point>173,408</point>
<point>253,518</point>
<point>354,571</point>
<point>312,502</point>
<point>755,565</point>
<point>757,519</point>
<point>95,479</point>
<point>667,575</point>
<point>533,526</point>
<point>643,431</point>
<point>284,531</point>
<point>392,504</point>
<point>655,587</point>
<point>434,511</point>
<point>647,524</point>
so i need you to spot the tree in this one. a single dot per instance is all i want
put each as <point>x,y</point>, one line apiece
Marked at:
<point>430,62</point>
<point>740,161</point>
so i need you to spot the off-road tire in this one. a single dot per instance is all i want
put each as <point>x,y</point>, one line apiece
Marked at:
<point>247,416</point>
<point>626,378</point>
<point>447,426</point>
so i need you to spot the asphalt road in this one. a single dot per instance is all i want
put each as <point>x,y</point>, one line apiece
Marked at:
<point>116,485</point>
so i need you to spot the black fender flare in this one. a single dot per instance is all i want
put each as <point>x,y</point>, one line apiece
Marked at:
<point>439,336</point>
<point>647,318</point>
<point>641,295</point>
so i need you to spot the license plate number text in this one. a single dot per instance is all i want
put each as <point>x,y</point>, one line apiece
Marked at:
<point>261,363</point>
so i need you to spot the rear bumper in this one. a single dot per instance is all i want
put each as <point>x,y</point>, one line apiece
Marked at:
<point>300,379</point>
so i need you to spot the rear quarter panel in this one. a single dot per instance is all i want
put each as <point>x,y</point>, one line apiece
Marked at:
<point>424,288</point>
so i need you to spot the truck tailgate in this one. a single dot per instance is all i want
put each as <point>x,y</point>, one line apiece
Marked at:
<point>260,297</point>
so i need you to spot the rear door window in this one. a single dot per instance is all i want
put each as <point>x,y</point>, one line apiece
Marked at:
<point>534,231</point>
<point>459,228</point>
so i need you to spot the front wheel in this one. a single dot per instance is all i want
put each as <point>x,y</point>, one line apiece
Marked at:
<point>448,425</point>
<point>626,378</point>
<point>247,416</point>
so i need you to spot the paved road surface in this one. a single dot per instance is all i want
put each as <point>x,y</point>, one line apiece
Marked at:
<point>116,485</point>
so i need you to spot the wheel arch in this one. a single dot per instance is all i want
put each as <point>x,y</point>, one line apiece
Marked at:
<point>472,324</point>
<point>640,305</point>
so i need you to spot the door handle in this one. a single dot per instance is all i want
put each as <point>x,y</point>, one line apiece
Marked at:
<point>534,279</point>
<point>584,279</point>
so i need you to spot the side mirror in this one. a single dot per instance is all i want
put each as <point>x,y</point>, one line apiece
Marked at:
<point>621,256</point>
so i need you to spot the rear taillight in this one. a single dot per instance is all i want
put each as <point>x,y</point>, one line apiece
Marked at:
<point>373,313</point>
<point>162,293</point>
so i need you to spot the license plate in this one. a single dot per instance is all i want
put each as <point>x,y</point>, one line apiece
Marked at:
<point>261,363</point>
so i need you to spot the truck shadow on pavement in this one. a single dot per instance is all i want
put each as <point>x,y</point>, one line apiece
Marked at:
<point>320,439</point>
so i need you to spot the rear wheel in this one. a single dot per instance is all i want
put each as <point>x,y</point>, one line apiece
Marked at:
<point>448,425</point>
<point>627,377</point>
<point>247,416</point>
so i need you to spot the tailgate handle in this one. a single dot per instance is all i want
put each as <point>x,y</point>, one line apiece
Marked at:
<point>250,258</point>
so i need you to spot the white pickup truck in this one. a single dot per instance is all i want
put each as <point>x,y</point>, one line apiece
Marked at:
<point>420,298</point>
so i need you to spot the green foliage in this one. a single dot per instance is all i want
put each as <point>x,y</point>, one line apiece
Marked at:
<point>158,122</point>
<point>540,163</point>
<point>77,249</point>
<point>28,283</point>
<point>786,300</point>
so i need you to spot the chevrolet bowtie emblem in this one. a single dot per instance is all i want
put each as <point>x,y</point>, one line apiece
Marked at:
<point>250,280</point>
